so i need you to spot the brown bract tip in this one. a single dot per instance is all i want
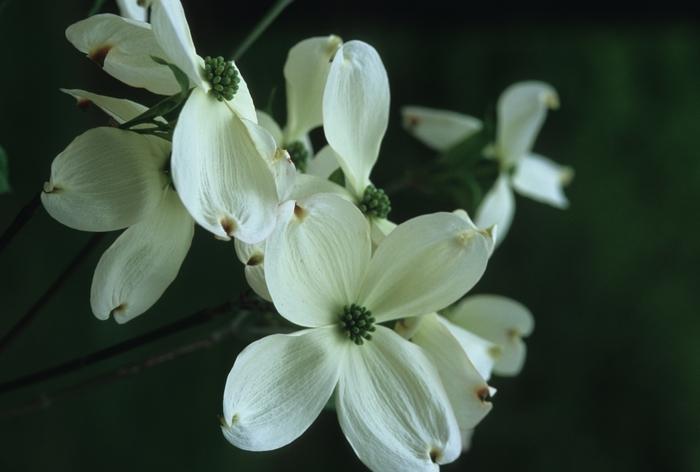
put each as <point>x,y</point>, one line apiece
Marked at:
<point>299,212</point>
<point>435,455</point>
<point>118,310</point>
<point>228,225</point>
<point>483,394</point>
<point>84,103</point>
<point>412,121</point>
<point>99,54</point>
<point>255,259</point>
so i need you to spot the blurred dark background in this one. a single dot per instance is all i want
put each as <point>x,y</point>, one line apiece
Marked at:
<point>612,380</point>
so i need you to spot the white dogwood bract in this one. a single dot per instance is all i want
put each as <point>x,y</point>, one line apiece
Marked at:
<point>109,179</point>
<point>134,9</point>
<point>521,111</point>
<point>320,263</point>
<point>498,320</point>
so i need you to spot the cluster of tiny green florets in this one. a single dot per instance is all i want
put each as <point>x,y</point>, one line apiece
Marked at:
<point>299,155</point>
<point>222,76</point>
<point>375,202</point>
<point>357,322</point>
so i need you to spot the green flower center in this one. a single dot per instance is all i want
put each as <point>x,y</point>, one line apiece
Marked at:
<point>299,155</point>
<point>222,76</point>
<point>375,202</point>
<point>357,322</point>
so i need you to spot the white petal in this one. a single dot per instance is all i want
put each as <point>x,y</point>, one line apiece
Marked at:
<point>137,268</point>
<point>316,260</point>
<point>500,320</point>
<point>269,123</point>
<point>124,48</point>
<point>305,72</point>
<point>219,173</point>
<point>424,265</point>
<point>393,408</point>
<point>132,9</point>
<point>278,386</point>
<point>522,108</point>
<point>242,102</point>
<point>106,179</point>
<point>173,35</point>
<point>482,353</point>
<point>323,164</point>
<point>380,228</point>
<point>356,110</point>
<point>307,185</point>
<point>120,109</point>
<point>543,180</point>
<point>253,256</point>
<point>466,389</point>
<point>497,208</point>
<point>439,129</point>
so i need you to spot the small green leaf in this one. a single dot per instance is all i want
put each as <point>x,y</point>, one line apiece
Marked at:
<point>4,172</point>
<point>166,105</point>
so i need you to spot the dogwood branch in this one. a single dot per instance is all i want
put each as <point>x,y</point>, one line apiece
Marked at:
<point>198,318</point>
<point>21,219</point>
<point>29,316</point>
<point>48,399</point>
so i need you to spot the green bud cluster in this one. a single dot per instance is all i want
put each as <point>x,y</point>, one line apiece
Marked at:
<point>357,322</point>
<point>375,202</point>
<point>299,155</point>
<point>222,76</point>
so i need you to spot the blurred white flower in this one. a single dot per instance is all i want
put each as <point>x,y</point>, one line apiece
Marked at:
<point>109,179</point>
<point>521,111</point>
<point>322,275</point>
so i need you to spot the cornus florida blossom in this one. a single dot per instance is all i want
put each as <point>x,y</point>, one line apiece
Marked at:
<point>322,275</point>
<point>227,187</point>
<point>355,118</point>
<point>521,110</point>
<point>109,179</point>
<point>305,73</point>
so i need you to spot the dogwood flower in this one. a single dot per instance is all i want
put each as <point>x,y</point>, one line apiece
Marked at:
<point>109,179</point>
<point>355,118</point>
<point>225,183</point>
<point>305,73</point>
<point>521,110</point>
<point>322,275</point>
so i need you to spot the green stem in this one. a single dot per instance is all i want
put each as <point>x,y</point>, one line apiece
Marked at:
<point>96,7</point>
<point>260,28</point>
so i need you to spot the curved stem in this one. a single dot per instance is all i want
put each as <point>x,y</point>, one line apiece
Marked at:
<point>21,219</point>
<point>260,28</point>
<point>198,318</point>
<point>29,316</point>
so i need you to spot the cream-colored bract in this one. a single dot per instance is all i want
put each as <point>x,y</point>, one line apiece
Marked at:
<point>391,404</point>
<point>108,179</point>
<point>522,109</point>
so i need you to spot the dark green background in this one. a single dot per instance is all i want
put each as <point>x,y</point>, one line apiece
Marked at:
<point>612,380</point>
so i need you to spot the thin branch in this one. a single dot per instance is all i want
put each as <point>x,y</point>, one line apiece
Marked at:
<point>24,215</point>
<point>260,28</point>
<point>29,316</point>
<point>46,400</point>
<point>198,318</point>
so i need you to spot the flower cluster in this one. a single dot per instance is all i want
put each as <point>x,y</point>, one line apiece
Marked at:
<point>386,337</point>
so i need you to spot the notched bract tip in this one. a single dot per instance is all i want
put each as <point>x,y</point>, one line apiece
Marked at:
<point>99,54</point>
